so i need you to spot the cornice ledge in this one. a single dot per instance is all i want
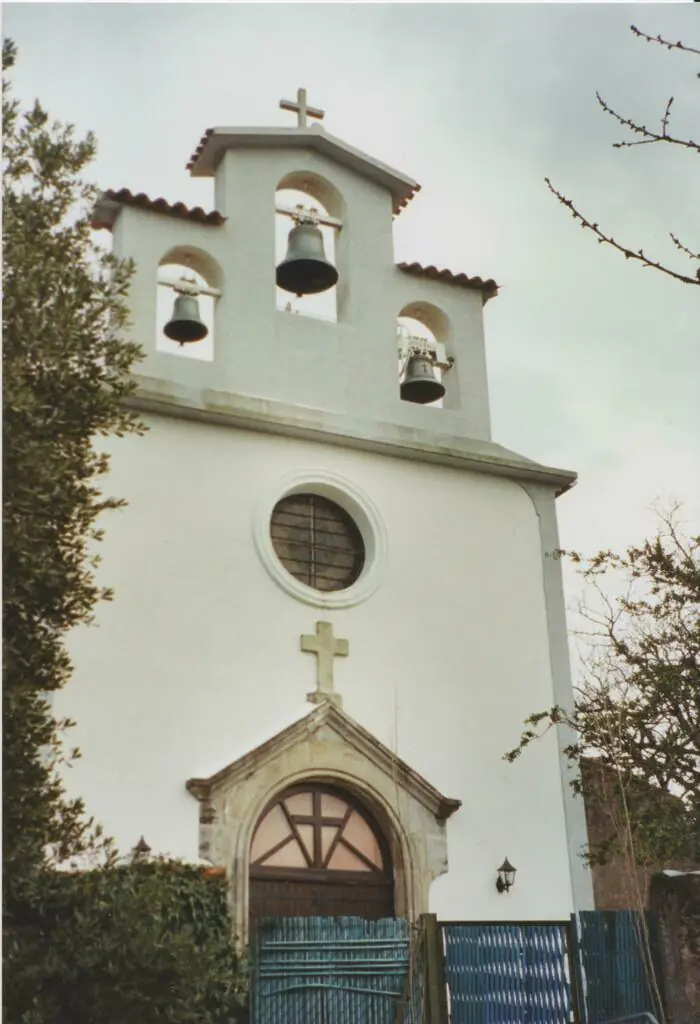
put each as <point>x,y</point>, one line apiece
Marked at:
<point>270,416</point>
<point>353,735</point>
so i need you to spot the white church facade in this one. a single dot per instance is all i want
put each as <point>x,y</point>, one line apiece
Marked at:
<point>334,605</point>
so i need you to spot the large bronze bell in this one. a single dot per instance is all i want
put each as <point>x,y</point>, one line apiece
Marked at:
<point>305,269</point>
<point>420,384</point>
<point>186,325</point>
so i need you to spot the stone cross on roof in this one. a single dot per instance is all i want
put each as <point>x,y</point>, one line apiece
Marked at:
<point>326,647</point>
<point>301,109</point>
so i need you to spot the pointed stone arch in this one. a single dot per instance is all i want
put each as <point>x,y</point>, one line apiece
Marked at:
<point>326,746</point>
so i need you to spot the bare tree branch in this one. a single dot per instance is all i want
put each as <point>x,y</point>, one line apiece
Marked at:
<point>648,137</point>
<point>629,254</point>
<point>684,248</point>
<point>663,42</point>
<point>641,129</point>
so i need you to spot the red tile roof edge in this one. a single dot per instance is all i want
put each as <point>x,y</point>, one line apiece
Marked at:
<point>200,146</point>
<point>403,203</point>
<point>489,287</point>
<point>144,202</point>
<point>397,208</point>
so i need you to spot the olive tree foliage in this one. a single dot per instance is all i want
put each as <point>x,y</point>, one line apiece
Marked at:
<point>637,710</point>
<point>641,135</point>
<point>66,371</point>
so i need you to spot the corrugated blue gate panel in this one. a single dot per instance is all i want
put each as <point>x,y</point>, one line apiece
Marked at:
<point>313,970</point>
<point>616,970</point>
<point>508,973</point>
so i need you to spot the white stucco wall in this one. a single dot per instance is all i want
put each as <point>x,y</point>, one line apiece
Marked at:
<point>197,659</point>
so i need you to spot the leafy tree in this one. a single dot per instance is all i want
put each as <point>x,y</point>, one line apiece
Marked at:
<point>637,711</point>
<point>120,943</point>
<point>646,137</point>
<point>66,371</point>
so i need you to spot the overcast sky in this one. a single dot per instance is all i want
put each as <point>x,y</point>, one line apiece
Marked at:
<point>594,362</point>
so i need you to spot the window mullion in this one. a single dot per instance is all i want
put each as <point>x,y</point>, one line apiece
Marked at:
<point>312,544</point>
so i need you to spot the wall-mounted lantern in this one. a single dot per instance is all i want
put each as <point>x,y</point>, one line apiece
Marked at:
<point>506,876</point>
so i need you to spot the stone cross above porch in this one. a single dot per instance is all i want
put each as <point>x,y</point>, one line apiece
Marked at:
<point>326,647</point>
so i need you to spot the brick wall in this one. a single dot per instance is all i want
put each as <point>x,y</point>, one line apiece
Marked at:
<point>619,884</point>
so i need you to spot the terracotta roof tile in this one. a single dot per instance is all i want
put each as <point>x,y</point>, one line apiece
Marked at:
<point>400,202</point>
<point>102,218</point>
<point>200,146</point>
<point>489,288</point>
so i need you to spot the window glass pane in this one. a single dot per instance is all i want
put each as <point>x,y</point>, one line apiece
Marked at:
<point>289,856</point>
<point>300,803</point>
<point>272,830</point>
<point>358,832</point>
<point>332,806</point>
<point>307,837</point>
<point>328,834</point>
<point>344,859</point>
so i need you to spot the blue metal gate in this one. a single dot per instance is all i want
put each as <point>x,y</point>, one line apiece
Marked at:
<point>315,970</point>
<point>508,973</point>
<point>614,963</point>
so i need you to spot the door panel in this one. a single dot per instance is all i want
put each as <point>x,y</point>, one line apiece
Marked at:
<point>275,897</point>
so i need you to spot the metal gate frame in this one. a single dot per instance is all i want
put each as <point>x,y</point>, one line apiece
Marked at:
<point>539,990</point>
<point>313,970</point>
<point>613,965</point>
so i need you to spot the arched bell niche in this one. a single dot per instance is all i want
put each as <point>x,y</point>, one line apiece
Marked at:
<point>429,324</point>
<point>188,262</point>
<point>310,191</point>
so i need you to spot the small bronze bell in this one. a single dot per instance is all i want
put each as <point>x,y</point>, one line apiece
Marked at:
<point>305,269</point>
<point>420,384</point>
<point>186,325</point>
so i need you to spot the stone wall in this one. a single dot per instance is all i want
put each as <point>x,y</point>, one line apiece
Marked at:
<point>675,901</point>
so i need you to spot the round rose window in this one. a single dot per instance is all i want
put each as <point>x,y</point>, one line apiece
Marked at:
<point>317,542</point>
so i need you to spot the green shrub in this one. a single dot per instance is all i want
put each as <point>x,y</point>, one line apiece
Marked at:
<point>137,944</point>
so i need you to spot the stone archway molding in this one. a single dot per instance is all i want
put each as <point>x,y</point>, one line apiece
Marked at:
<point>325,745</point>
